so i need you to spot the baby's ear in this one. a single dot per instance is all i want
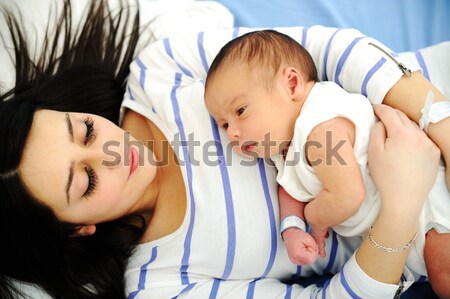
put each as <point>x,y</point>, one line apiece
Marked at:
<point>294,81</point>
<point>84,231</point>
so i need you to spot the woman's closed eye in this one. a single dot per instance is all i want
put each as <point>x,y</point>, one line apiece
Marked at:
<point>92,182</point>
<point>88,139</point>
<point>90,131</point>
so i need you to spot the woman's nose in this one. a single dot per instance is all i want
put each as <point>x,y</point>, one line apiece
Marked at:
<point>103,154</point>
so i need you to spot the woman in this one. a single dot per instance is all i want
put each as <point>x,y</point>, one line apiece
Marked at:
<point>72,212</point>
<point>92,70</point>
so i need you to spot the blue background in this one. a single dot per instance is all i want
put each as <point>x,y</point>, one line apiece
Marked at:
<point>400,24</point>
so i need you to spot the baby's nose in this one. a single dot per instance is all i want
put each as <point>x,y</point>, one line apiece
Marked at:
<point>233,133</point>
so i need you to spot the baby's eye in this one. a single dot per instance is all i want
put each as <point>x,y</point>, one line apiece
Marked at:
<point>225,126</point>
<point>240,110</point>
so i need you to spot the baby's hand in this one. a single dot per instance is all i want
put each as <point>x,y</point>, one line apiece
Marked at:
<point>320,235</point>
<point>301,247</point>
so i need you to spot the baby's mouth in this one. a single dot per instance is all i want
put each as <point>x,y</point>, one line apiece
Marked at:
<point>248,147</point>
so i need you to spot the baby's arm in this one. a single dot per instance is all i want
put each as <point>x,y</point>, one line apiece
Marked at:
<point>300,245</point>
<point>330,152</point>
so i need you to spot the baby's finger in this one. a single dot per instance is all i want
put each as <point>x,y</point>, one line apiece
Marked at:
<point>322,252</point>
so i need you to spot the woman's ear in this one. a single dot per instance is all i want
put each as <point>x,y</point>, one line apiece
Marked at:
<point>294,83</point>
<point>84,231</point>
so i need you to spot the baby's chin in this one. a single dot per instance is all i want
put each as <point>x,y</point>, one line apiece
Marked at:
<point>249,151</point>
<point>249,155</point>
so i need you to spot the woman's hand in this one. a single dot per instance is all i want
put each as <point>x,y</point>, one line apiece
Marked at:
<point>403,161</point>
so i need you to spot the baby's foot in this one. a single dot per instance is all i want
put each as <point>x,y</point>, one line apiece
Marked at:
<point>319,236</point>
<point>301,246</point>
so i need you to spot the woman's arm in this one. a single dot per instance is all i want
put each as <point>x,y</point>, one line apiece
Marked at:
<point>362,65</point>
<point>404,178</point>
<point>408,95</point>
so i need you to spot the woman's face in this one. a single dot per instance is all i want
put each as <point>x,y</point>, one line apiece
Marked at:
<point>86,168</point>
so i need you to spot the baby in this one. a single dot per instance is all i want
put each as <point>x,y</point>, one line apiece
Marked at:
<point>262,89</point>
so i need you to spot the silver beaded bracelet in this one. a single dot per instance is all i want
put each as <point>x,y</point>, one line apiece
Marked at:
<point>390,249</point>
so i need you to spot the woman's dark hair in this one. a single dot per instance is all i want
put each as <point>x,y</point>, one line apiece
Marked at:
<point>78,70</point>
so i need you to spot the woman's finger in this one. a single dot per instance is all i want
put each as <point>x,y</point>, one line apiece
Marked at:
<point>403,118</point>
<point>377,137</point>
<point>390,118</point>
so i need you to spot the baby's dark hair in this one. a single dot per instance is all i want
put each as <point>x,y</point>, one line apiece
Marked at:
<point>267,49</point>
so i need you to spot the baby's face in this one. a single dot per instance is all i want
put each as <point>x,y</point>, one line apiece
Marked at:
<point>256,119</point>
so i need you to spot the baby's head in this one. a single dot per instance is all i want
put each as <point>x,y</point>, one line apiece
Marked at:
<point>255,87</point>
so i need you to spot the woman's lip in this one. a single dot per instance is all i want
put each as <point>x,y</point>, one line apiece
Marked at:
<point>134,160</point>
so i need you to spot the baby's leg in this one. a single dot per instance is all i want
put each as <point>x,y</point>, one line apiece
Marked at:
<point>437,261</point>
<point>301,246</point>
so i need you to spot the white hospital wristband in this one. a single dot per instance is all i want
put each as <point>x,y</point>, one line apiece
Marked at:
<point>292,221</point>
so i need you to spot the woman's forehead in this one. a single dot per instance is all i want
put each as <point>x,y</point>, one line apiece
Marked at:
<point>45,158</point>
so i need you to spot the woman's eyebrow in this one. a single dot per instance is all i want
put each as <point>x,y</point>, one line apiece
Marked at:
<point>69,126</point>
<point>70,179</point>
